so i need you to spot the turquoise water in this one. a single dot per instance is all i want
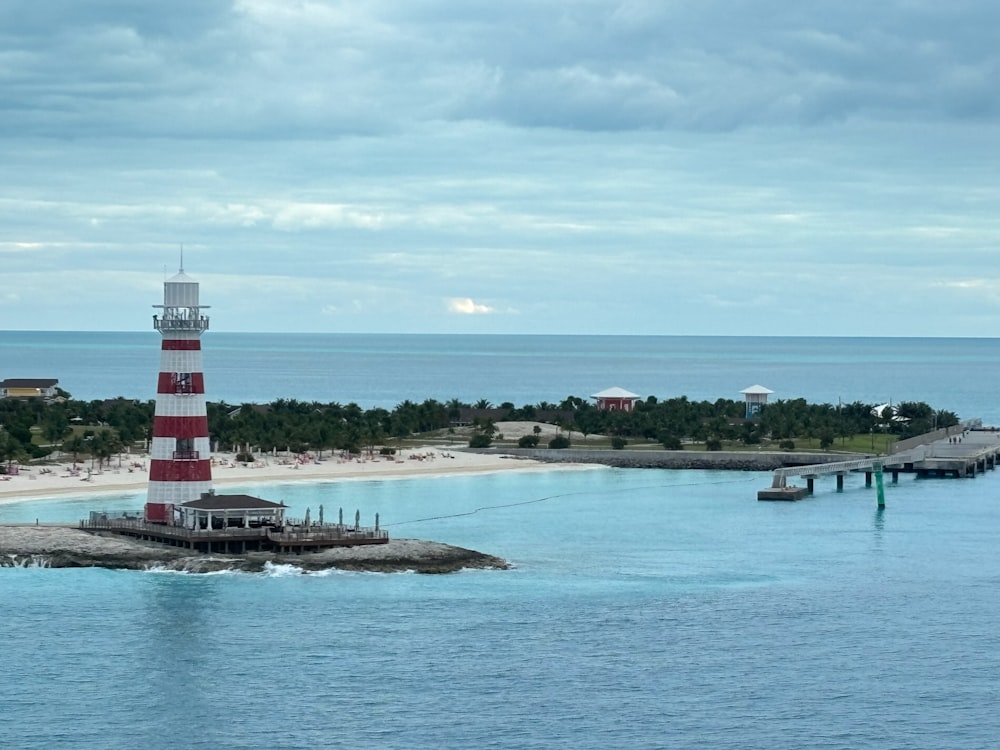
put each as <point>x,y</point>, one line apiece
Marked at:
<point>647,609</point>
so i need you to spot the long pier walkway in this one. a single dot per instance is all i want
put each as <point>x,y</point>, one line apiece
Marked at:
<point>965,452</point>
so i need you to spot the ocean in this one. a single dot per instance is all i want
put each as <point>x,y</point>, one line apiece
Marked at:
<point>646,609</point>
<point>384,370</point>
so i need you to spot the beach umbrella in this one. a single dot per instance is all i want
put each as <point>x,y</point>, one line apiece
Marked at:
<point>321,515</point>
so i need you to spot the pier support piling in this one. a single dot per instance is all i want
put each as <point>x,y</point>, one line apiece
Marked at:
<point>879,488</point>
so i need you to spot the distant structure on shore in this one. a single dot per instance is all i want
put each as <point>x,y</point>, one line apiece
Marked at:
<point>28,388</point>
<point>180,467</point>
<point>756,398</point>
<point>615,399</point>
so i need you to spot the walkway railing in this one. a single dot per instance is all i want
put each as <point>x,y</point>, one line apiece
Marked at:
<point>844,467</point>
<point>288,535</point>
<point>298,534</point>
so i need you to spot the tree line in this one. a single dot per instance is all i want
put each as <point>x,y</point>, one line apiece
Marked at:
<point>32,428</point>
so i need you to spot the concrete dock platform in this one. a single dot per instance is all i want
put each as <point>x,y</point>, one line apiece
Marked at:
<point>790,493</point>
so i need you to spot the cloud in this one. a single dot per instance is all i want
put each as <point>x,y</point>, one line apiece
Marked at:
<point>350,165</point>
<point>468,306</point>
<point>260,68</point>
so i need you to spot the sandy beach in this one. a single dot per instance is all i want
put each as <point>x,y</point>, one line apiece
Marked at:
<point>130,473</point>
<point>57,545</point>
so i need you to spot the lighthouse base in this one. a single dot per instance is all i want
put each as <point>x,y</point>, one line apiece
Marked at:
<point>159,513</point>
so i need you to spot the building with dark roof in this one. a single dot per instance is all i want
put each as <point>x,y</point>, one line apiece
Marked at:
<point>212,511</point>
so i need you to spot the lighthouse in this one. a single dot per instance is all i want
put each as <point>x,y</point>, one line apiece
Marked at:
<point>180,467</point>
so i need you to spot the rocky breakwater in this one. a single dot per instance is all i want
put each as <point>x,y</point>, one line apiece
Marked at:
<point>657,459</point>
<point>69,547</point>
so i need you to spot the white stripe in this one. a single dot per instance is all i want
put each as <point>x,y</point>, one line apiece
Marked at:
<point>163,448</point>
<point>176,492</point>
<point>181,335</point>
<point>186,405</point>
<point>180,360</point>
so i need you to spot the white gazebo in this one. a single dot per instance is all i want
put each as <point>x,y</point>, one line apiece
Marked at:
<point>616,399</point>
<point>217,512</point>
<point>756,397</point>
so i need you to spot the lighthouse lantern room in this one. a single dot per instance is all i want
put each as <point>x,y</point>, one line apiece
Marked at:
<point>180,455</point>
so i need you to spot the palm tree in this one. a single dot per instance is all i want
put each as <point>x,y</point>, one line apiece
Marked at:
<point>75,445</point>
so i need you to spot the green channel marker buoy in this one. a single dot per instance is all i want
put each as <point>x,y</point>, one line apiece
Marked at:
<point>879,487</point>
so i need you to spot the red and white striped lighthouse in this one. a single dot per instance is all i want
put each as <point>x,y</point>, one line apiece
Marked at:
<point>180,467</point>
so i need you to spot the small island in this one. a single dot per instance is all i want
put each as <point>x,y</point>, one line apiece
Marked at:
<point>62,546</point>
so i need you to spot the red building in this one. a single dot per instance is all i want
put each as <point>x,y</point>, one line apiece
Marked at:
<point>180,456</point>
<point>616,399</point>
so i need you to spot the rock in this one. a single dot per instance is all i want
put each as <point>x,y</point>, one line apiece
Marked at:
<point>661,459</point>
<point>69,547</point>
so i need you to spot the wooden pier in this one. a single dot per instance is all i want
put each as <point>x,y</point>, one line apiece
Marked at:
<point>240,540</point>
<point>965,453</point>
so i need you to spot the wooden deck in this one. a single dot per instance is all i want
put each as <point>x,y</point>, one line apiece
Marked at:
<point>239,540</point>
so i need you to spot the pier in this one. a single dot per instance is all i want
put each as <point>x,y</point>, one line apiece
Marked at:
<point>966,452</point>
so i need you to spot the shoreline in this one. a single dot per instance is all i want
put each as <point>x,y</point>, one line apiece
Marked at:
<point>60,480</point>
<point>63,545</point>
<point>679,460</point>
<point>66,480</point>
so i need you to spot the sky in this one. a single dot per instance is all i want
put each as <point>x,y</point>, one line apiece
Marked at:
<point>676,167</point>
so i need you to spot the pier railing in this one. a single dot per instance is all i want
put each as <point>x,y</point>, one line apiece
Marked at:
<point>298,534</point>
<point>287,534</point>
<point>844,467</point>
<point>139,525</point>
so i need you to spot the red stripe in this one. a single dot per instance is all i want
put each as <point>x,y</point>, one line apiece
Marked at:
<point>180,345</point>
<point>158,512</point>
<point>165,383</point>
<point>180,427</point>
<point>180,471</point>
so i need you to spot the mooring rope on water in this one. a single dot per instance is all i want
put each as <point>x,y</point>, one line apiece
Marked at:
<point>502,506</point>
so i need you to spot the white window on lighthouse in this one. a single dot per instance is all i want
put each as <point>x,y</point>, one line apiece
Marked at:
<point>184,450</point>
<point>183,383</point>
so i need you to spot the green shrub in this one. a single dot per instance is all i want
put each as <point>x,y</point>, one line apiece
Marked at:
<point>618,442</point>
<point>387,451</point>
<point>672,443</point>
<point>245,458</point>
<point>528,441</point>
<point>480,440</point>
<point>713,444</point>
<point>787,445</point>
<point>559,441</point>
